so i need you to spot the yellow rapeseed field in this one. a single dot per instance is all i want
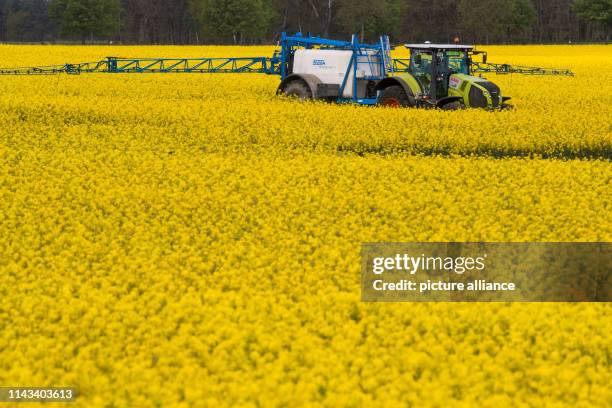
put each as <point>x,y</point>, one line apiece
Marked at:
<point>194,240</point>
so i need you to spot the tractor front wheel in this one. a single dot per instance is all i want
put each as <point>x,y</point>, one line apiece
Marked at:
<point>453,106</point>
<point>394,96</point>
<point>299,90</point>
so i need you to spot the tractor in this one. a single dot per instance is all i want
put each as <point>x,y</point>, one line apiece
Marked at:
<point>440,75</point>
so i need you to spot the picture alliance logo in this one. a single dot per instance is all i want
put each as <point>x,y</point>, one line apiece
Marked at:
<point>410,264</point>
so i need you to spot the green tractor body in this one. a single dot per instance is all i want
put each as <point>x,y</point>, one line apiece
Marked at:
<point>439,75</point>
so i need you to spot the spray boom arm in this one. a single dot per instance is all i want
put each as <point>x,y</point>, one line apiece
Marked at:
<point>154,65</point>
<point>484,67</point>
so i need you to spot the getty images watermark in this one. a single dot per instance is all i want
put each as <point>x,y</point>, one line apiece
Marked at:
<point>411,265</point>
<point>529,272</point>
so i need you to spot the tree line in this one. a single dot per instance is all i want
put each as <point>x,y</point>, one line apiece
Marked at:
<point>260,21</point>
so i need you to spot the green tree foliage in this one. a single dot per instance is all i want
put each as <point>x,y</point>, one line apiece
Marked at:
<point>86,18</point>
<point>238,21</point>
<point>370,18</point>
<point>24,20</point>
<point>260,21</point>
<point>434,20</point>
<point>520,20</point>
<point>496,20</point>
<point>599,11</point>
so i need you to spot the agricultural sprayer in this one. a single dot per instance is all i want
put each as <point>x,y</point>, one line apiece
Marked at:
<point>435,75</point>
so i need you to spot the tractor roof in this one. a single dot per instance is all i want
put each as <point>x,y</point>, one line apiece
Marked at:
<point>439,46</point>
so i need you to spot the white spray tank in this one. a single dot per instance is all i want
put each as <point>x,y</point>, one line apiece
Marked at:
<point>331,67</point>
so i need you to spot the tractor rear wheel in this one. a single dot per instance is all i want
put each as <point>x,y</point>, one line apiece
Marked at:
<point>394,96</point>
<point>299,90</point>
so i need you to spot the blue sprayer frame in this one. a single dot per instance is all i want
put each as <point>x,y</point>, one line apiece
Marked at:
<point>362,54</point>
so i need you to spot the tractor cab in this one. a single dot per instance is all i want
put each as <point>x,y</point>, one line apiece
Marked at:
<point>432,65</point>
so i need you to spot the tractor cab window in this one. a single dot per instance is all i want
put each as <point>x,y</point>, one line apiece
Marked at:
<point>458,62</point>
<point>421,62</point>
<point>443,72</point>
<point>432,68</point>
<point>420,67</point>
